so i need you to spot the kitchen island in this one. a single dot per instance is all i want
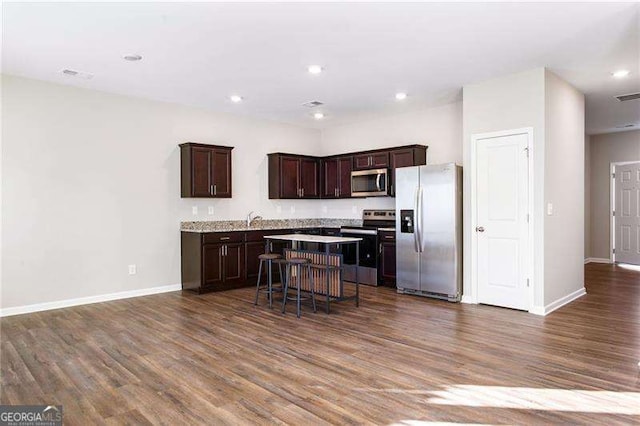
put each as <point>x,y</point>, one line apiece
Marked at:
<point>333,263</point>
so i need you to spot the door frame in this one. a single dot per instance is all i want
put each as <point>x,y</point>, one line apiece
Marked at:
<point>612,206</point>
<point>528,131</point>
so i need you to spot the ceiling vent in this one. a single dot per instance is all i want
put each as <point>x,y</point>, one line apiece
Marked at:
<point>312,104</point>
<point>77,74</point>
<point>629,97</point>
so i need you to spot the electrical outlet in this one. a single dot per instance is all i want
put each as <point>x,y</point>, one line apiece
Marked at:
<point>132,269</point>
<point>211,210</point>
<point>549,209</point>
<point>354,209</point>
<point>279,209</point>
<point>293,209</point>
<point>324,209</point>
<point>194,210</point>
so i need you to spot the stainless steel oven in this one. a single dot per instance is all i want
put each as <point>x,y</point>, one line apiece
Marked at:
<point>368,269</point>
<point>370,183</point>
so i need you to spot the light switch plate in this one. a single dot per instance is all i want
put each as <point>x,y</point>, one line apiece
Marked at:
<point>549,209</point>
<point>132,269</point>
<point>324,209</point>
<point>194,210</point>
<point>293,209</point>
<point>210,209</point>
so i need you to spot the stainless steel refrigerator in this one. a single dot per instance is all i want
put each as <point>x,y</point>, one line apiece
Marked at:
<point>429,231</point>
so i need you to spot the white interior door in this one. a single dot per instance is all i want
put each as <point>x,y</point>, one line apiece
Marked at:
<point>501,212</point>
<point>627,213</point>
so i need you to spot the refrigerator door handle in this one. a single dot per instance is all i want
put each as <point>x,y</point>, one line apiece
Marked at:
<point>416,230</point>
<point>419,218</point>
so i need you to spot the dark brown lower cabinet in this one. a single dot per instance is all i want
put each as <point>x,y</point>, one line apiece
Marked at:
<point>216,261</point>
<point>212,261</point>
<point>253,249</point>
<point>387,266</point>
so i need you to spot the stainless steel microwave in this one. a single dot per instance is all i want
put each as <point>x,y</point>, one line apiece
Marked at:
<point>370,183</point>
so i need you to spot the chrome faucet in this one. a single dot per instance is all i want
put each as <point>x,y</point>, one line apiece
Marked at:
<point>250,219</point>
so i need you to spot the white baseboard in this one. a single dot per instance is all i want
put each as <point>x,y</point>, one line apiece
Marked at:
<point>468,299</point>
<point>596,260</point>
<point>17,310</point>
<point>546,310</point>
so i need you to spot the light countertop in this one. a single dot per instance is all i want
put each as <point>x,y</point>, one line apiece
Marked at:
<point>265,224</point>
<point>313,238</point>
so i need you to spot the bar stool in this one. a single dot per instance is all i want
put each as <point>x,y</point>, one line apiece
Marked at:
<point>268,258</point>
<point>300,264</point>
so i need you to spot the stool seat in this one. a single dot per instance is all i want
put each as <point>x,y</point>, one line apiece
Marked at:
<point>269,256</point>
<point>299,260</point>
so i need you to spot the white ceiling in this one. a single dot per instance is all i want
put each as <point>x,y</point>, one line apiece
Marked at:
<point>200,53</point>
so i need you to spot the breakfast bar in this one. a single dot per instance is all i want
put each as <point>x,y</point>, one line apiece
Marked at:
<point>333,263</point>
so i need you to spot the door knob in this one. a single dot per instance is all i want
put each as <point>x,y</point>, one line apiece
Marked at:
<point>479,229</point>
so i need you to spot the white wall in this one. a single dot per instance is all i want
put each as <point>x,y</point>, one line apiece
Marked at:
<point>606,149</point>
<point>439,128</point>
<point>587,196</point>
<point>511,102</point>
<point>90,184</point>
<point>564,189</point>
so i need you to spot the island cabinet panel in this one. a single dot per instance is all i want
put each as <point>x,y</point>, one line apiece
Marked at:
<point>205,171</point>
<point>293,176</point>
<point>387,267</point>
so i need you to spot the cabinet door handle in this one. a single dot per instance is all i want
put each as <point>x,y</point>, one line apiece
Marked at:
<point>224,238</point>
<point>215,190</point>
<point>211,190</point>
<point>380,248</point>
<point>302,191</point>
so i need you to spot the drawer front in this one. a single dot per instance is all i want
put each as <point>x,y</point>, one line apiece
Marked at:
<point>223,237</point>
<point>331,232</point>
<point>387,236</point>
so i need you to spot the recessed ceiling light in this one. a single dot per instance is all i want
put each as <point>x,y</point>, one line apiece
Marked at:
<point>315,69</point>
<point>401,96</point>
<point>620,73</point>
<point>235,98</point>
<point>318,116</point>
<point>132,58</point>
<point>78,74</point>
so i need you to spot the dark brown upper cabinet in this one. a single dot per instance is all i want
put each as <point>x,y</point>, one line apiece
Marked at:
<point>205,171</point>
<point>293,176</point>
<point>371,160</point>
<point>336,177</point>
<point>415,155</point>
<point>298,176</point>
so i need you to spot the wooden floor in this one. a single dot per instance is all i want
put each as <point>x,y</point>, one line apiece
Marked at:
<point>214,359</point>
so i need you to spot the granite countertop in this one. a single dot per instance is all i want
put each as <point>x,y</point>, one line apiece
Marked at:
<point>265,224</point>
